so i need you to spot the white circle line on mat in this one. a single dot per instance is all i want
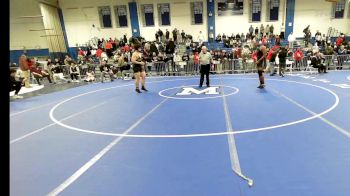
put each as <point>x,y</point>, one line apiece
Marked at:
<point>198,134</point>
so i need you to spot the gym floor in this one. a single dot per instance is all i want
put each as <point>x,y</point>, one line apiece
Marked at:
<point>291,138</point>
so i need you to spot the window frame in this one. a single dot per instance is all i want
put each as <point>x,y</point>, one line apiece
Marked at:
<point>335,6</point>
<point>143,15</point>
<point>116,15</point>
<point>268,10</point>
<point>251,12</point>
<point>160,19</point>
<point>192,11</point>
<point>99,10</point>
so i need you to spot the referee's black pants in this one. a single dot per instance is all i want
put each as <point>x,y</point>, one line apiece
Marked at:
<point>204,70</point>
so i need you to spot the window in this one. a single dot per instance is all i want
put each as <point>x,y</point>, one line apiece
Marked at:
<point>255,11</point>
<point>105,16</point>
<point>230,7</point>
<point>338,9</point>
<point>272,10</point>
<point>147,15</point>
<point>164,14</point>
<point>121,15</point>
<point>197,12</point>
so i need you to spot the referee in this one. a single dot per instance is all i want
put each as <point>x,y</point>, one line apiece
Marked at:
<point>205,59</point>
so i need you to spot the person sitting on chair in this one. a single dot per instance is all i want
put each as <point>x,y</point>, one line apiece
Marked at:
<point>14,84</point>
<point>90,76</point>
<point>39,74</point>
<point>105,70</point>
<point>57,73</point>
<point>74,72</point>
<point>317,61</point>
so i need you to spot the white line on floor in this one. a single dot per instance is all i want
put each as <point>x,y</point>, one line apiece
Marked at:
<point>99,155</point>
<point>236,167</point>
<point>336,127</point>
<point>47,126</point>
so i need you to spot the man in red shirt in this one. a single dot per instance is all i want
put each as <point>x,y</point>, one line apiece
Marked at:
<point>298,56</point>
<point>81,55</point>
<point>109,49</point>
<point>126,48</point>
<point>39,74</point>
<point>271,59</point>
<point>98,54</point>
<point>339,40</point>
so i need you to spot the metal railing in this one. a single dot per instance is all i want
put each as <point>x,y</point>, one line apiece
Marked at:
<point>223,66</point>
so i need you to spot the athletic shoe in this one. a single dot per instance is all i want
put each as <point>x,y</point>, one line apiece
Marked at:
<point>138,90</point>
<point>143,88</point>
<point>17,97</point>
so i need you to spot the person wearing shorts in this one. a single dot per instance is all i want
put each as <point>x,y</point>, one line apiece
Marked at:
<point>261,65</point>
<point>138,68</point>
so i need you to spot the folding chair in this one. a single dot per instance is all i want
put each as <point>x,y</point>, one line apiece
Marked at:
<point>309,69</point>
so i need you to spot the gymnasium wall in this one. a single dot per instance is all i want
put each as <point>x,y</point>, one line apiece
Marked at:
<point>317,14</point>
<point>240,23</point>
<point>79,16</point>
<point>81,19</point>
<point>179,18</point>
<point>20,36</point>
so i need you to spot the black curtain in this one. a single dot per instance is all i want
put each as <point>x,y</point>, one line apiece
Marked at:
<point>149,19</point>
<point>123,21</point>
<point>274,13</point>
<point>165,18</point>
<point>198,18</point>
<point>256,17</point>
<point>106,19</point>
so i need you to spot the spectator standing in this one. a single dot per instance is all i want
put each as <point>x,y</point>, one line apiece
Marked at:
<point>205,60</point>
<point>291,40</point>
<point>23,64</point>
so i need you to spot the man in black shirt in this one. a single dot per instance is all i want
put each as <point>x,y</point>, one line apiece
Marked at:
<point>175,35</point>
<point>167,34</point>
<point>170,47</point>
<point>160,34</point>
<point>282,56</point>
<point>125,40</point>
<point>183,35</point>
<point>14,84</point>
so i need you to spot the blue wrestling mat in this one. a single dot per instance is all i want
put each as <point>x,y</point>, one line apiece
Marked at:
<point>290,139</point>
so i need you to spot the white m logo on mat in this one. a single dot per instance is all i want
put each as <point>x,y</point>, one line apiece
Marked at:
<point>207,91</point>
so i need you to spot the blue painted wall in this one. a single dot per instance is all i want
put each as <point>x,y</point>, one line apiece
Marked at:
<point>134,19</point>
<point>290,10</point>
<point>60,14</point>
<point>211,18</point>
<point>15,54</point>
